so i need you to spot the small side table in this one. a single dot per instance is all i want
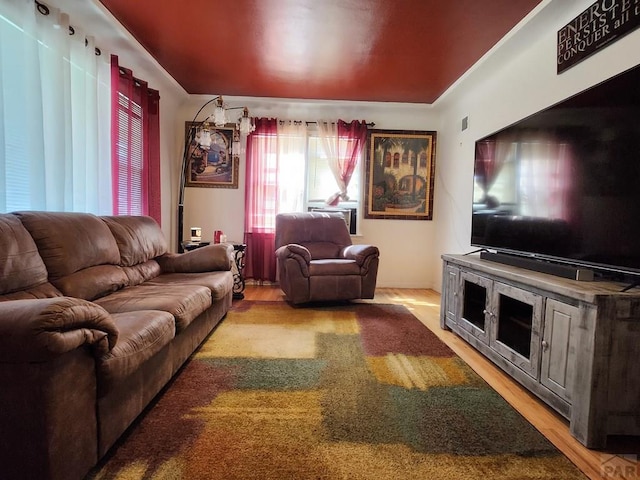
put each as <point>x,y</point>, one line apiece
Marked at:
<point>239,252</point>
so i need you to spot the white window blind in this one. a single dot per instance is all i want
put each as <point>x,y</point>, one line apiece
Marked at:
<point>130,163</point>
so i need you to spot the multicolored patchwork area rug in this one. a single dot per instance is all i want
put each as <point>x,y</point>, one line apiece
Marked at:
<point>353,391</point>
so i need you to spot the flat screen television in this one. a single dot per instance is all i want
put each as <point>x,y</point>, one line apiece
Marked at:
<point>563,185</point>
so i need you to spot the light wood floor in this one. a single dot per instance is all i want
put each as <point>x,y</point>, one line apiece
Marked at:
<point>619,462</point>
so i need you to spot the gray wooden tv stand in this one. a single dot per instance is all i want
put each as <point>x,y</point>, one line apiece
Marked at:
<point>574,344</point>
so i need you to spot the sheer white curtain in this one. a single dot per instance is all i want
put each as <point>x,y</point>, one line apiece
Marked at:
<point>328,134</point>
<point>291,166</point>
<point>55,114</point>
<point>342,143</point>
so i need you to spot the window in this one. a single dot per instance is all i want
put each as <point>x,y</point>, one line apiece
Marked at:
<point>321,183</point>
<point>58,100</point>
<point>303,178</point>
<point>135,133</point>
<point>54,99</point>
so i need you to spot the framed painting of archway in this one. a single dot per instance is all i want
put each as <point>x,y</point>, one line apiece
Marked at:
<point>400,167</point>
<point>214,163</point>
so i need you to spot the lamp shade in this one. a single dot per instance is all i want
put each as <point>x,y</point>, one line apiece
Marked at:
<point>245,125</point>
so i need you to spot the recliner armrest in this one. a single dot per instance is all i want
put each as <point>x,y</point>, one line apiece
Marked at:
<point>212,258</point>
<point>295,249</point>
<point>297,252</point>
<point>359,253</point>
<point>37,330</point>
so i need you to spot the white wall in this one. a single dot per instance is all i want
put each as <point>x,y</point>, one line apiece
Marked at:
<point>518,79</point>
<point>404,245</point>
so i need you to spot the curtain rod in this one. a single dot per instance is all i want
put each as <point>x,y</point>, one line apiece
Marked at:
<point>45,10</point>
<point>298,122</point>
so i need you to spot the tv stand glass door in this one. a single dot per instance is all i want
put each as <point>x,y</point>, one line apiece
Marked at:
<point>517,318</point>
<point>505,318</point>
<point>475,317</point>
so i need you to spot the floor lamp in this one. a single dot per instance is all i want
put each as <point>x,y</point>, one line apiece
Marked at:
<point>200,132</point>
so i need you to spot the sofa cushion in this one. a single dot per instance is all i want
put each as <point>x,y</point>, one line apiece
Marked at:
<point>44,290</point>
<point>69,242</point>
<point>142,272</point>
<point>334,267</point>
<point>21,266</point>
<point>308,227</point>
<point>220,283</point>
<point>139,238</point>
<point>142,334</point>
<point>184,302</point>
<point>93,282</point>
<point>320,250</point>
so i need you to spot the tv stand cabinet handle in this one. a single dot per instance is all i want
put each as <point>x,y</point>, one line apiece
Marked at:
<point>492,315</point>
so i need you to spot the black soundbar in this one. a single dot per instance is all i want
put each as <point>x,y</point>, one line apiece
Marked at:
<point>542,266</point>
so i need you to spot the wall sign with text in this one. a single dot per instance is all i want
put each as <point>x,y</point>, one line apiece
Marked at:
<point>602,23</point>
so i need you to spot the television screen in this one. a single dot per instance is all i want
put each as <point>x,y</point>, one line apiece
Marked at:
<point>564,183</point>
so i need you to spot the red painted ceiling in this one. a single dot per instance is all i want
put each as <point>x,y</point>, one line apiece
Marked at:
<point>370,50</point>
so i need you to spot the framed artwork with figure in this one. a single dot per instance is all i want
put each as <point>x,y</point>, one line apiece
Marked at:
<point>211,161</point>
<point>400,168</point>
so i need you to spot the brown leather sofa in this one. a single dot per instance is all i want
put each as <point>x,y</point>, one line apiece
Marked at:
<point>318,262</point>
<point>95,318</point>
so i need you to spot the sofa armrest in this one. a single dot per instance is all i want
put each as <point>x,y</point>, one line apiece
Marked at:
<point>37,330</point>
<point>211,258</point>
<point>360,253</point>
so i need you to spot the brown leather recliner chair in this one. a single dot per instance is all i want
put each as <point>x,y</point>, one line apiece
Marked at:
<point>318,262</point>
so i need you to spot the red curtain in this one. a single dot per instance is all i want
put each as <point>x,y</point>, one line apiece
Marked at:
<point>260,200</point>
<point>135,139</point>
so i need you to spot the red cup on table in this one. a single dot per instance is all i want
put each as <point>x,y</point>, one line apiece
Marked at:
<point>216,236</point>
